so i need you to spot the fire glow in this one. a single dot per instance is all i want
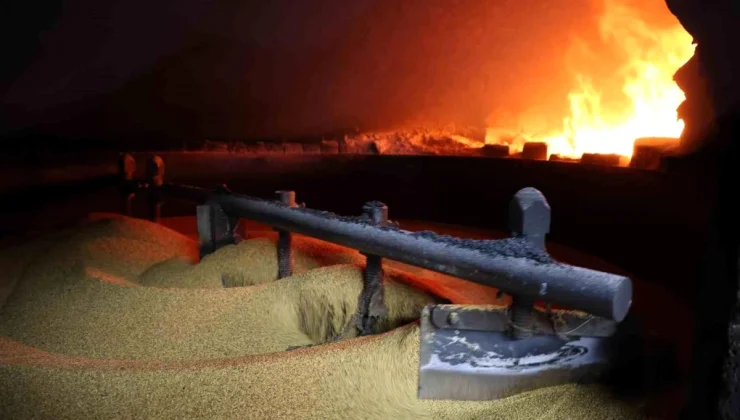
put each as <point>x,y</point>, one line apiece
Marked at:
<point>651,96</point>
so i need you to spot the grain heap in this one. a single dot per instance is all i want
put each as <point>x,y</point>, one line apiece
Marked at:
<point>117,319</point>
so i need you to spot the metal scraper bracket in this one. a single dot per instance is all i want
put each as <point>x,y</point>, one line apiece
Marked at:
<point>466,352</point>
<point>484,353</point>
<point>215,228</point>
<point>515,265</point>
<point>458,364</point>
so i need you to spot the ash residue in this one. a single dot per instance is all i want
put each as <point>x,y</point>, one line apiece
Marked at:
<point>360,220</point>
<point>447,140</point>
<point>510,247</point>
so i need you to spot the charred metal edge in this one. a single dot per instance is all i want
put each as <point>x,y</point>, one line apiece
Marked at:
<point>490,318</point>
<point>512,265</point>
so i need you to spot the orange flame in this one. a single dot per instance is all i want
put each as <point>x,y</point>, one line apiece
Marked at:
<point>651,96</point>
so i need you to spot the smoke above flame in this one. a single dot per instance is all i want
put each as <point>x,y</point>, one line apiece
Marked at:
<point>607,116</point>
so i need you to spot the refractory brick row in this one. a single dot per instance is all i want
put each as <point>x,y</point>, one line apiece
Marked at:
<point>648,152</point>
<point>256,148</point>
<point>645,157</point>
<point>329,147</point>
<point>495,150</point>
<point>292,148</point>
<point>535,151</point>
<point>238,147</point>
<point>274,148</point>
<point>560,158</point>
<point>600,159</point>
<point>311,148</point>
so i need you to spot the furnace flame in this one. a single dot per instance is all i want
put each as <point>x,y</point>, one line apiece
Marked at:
<point>649,94</point>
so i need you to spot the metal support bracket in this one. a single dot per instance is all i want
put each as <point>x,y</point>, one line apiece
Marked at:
<point>215,228</point>
<point>285,238</point>
<point>466,364</point>
<point>481,353</point>
<point>371,305</point>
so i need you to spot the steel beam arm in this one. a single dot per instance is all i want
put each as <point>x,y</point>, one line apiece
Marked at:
<point>512,265</point>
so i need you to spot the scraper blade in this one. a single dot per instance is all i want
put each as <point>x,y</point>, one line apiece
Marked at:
<point>464,364</point>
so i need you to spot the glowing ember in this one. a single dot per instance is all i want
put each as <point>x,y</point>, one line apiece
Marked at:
<point>447,140</point>
<point>650,95</point>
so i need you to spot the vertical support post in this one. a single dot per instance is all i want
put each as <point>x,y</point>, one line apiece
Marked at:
<point>529,216</point>
<point>155,179</point>
<point>215,228</point>
<point>285,239</point>
<point>127,171</point>
<point>372,299</point>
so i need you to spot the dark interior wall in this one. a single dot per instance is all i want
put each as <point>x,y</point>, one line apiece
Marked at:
<point>712,115</point>
<point>709,79</point>
<point>175,69</point>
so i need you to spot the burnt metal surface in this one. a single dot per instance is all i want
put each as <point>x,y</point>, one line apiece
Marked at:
<point>460,364</point>
<point>512,265</point>
<point>491,318</point>
<point>371,305</point>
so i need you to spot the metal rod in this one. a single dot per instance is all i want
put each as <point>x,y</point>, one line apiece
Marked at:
<point>127,171</point>
<point>529,217</point>
<point>372,299</point>
<point>216,229</point>
<point>204,218</point>
<point>155,178</point>
<point>512,265</point>
<point>285,239</point>
<point>522,316</point>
